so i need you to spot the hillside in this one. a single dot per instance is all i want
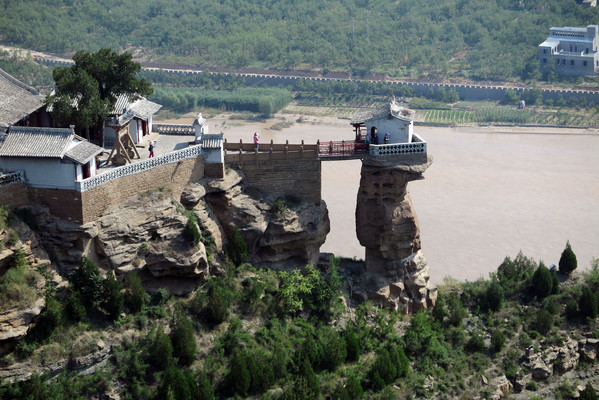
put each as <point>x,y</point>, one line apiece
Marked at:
<point>491,40</point>
<point>258,333</point>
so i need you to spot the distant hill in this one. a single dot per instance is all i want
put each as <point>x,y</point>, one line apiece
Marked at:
<point>490,40</point>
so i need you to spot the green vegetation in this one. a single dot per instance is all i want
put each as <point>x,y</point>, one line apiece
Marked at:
<point>493,40</point>
<point>567,261</point>
<point>96,80</point>
<point>237,250</point>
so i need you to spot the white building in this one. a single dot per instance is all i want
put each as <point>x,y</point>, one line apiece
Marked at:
<point>49,157</point>
<point>571,51</point>
<point>137,114</point>
<point>391,119</point>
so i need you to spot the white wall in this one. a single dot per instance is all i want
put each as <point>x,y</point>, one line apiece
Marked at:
<point>399,130</point>
<point>49,173</point>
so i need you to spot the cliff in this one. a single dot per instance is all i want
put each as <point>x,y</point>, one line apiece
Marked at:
<point>397,273</point>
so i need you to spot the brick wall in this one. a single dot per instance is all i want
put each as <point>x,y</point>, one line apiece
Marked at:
<point>298,177</point>
<point>14,195</point>
<point>173,177</point>
<point>62,203</point>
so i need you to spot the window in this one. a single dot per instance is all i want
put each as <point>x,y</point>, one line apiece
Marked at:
<point>544,61</point>
<point>584,63</point>
<point>544,51</point>
<point>571,62</point>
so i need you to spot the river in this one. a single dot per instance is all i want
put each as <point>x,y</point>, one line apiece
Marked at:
<point>487,195</point>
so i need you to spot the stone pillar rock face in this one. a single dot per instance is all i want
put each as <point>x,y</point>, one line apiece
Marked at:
<point>387,227</point>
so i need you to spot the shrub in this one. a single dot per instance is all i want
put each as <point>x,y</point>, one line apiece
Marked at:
<point>182,337</point>
<point>542,282</point>
<point>476,343</point>
<point>352,345</point>
<point>543,321</point>
<point>334,348</point>
<point>354,388</point>
<point>4,217</point>
<point>588,393</point>
<point>532,386</point>
<point>205,390</point>
<point>75,307</point>
<point>237,250</point>
<point>497,340</point>
<point>135,295</point>
<point>567,261</point>
<point>112,297</point>
<point>588,304</point>
<point>278,207</point>
<point>160,351</point>
<point>87,280</point>
<point>192,231</point>
<point>493,297</point>
<point>217,307</point>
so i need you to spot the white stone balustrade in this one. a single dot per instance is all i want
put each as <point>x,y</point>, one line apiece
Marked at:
<point>140,166</point>
<point>417,146</point>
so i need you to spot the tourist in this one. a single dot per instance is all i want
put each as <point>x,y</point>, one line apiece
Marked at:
<point>257,140</point>
<point>151,148</point>
<point>367,138</point>
<point>386,139</point>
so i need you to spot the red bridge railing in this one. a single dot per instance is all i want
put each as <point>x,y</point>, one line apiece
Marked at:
<point>341,148</point>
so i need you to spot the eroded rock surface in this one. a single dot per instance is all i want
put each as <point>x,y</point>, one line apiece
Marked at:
<point>387,227</point>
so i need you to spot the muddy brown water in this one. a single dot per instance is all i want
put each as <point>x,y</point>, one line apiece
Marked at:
<point>488,194</point>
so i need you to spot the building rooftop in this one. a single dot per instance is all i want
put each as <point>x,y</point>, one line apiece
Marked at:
<point>17,100</point>
<point>392,109</point>
<point>60,143</point>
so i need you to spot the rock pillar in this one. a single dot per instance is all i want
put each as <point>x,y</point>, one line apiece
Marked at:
<point>386,225</point>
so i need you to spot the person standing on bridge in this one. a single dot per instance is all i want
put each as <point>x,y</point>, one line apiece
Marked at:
<point>257,141</point>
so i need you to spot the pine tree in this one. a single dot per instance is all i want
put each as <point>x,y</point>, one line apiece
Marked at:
<point>182,337</point>
<point>567,262</point>
<point>112,297</point>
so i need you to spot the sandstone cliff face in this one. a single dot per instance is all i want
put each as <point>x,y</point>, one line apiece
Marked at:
<point>15,321</point>
<point>292,239</point>
<point>386,225</point>
<point>146,234</point>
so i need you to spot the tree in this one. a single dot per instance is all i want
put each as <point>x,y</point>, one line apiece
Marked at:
<point>567,262</point>
<point>237,249</point>
<point>182,337</point>
<point>588,393</point>
<point>135,295</point>
<point>87,91</point>
<point>112,297</point>
<point>542,282</point>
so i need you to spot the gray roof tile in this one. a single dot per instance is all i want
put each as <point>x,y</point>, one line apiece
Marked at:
<point>23,141</point>
<point>17,100</point>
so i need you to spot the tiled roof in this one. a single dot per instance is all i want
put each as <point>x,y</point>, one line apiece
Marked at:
<point>83,151</point>
<point>23,141</point>
<point>392,108</point>
<point>17,100</point>
<point>141,108</point>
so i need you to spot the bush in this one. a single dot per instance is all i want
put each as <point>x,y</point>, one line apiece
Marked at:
<point>476,343</point>
<point>112,297</point>
<point>588,393</point>
<point>532,386</point>
<point>182,337</point>
<point>543,321</point>
<point>493,297</point>
<point>497,340</point>
<point>75,307</point>
<point>135,295</point>
<point>542,282</point>
<point>217,307</point>
<point>352,345</point>
<point>237,249</point>
<point>567,261</point>
<point>87,280</point>
<point>588,304</point>
<point>160,351</point>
